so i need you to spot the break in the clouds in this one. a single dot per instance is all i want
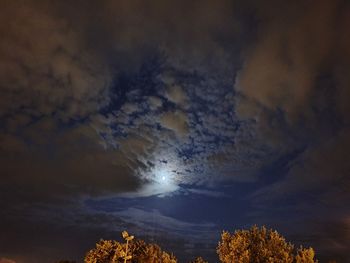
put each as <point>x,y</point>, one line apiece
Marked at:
<point>240,101</point>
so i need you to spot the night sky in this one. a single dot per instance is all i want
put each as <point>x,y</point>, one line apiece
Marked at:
<point>173,120</point>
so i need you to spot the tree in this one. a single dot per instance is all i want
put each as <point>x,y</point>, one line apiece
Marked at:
<point>199,260</point>
<point>106,251</point>
<point>305,255</point>
<point>150,253</point>
<point>260,245</point>
<point>134,251</point>
<point>256,245</point>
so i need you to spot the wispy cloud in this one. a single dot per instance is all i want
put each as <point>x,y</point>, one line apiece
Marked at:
<point>149,220</point>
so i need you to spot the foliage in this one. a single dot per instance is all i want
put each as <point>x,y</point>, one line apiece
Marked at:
<point>111,251</point>
<point>305,255</point>
<point>260,245</point>
<point>150,253</point>
<point>105,252</point>
<point>199,260</point>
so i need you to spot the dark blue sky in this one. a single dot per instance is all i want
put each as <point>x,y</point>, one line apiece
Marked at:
<point>173,120</point>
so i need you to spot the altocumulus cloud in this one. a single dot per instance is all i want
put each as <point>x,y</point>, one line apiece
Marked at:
<point>83,111</point>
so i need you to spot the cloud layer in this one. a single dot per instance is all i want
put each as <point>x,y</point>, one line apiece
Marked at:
<point>119,99</point>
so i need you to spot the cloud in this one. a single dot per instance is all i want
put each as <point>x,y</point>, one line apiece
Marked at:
<point>148,219</point>
<point>176,94</point>
<point>44,70</point>
<point>207,192</point>
<point>152,189</point>
<point>176,121</point>
<point>135,146</point>
<point>11,143</point>
<point>108,100</point>
<point>320,169</point>
<point>154,102</point>
<point>130,108</point>
<point>292,85</point>
<point>65,164</point>
<point>71,107</point>
<point>282,69</point>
